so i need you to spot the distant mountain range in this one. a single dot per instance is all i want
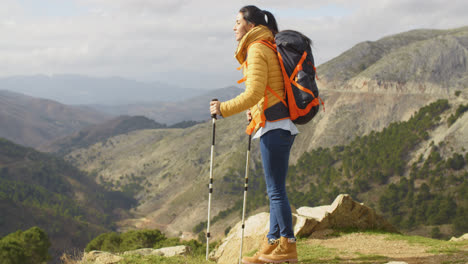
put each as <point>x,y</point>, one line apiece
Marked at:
<point>82,90</point>
<point>194,108</point>
<point>36,122</point>
<point>33,121</point>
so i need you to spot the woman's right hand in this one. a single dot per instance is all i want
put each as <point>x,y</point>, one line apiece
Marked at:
<point>249,115</point>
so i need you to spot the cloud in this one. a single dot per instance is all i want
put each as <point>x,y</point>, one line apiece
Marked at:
<point>191,43</point>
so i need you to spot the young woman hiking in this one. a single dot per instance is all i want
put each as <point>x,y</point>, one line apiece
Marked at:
<point>270,122</point>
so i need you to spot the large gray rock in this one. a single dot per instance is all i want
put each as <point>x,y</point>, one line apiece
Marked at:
<point>101,257</point>
<point>307,221</point>
<point>256,227</point>
<point>344,212</point>
<point>166,252</point>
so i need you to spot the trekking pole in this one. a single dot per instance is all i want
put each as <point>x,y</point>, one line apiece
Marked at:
<point>246,185</point>
<point>213,120</point>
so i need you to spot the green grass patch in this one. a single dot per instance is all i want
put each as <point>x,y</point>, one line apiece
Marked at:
<point>309,253</point>
<point>461,261</point>
<point>434,246</point>
<point>138,259</point>
<point>373,258</point>
<point>338,232</point>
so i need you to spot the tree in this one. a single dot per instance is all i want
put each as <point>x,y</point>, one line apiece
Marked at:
<point>456,162</point>
<point>12,252</point>
<point>28,247</point>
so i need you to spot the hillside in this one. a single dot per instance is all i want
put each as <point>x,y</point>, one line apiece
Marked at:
<point>423,59</point>
<point>151,162</point>
<point>408,171</point>
<point>38,189</point>
<point>96,133</point>
<point>33,121</point>
<point>185,108</point>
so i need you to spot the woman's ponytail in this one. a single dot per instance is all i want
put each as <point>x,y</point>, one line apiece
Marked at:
<point>257,16</point>
<point>271,22</point>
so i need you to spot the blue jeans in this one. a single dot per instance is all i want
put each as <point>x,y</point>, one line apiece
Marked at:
<point>275,146</point>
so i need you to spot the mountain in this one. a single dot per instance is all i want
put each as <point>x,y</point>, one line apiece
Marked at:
<point>33,121</point>
<point>79,90</point>
<point>193,108</point>
<point>38,189</point>
<point>410,62</point>
<point>171,166</point>
<point>100,132</point>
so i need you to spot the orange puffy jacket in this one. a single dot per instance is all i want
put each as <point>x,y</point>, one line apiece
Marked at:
<point>261,70</point>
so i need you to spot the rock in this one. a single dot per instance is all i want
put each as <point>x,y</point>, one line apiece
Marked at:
<point>303,226</point>
<point>344,212</point>
<point>396,262</point>
<point>165,252</point>
<point>316,222</point>
<point>347,213</point>
<point>462,238</point>
<point>101,257</point>
<point>256,227</point>
<point>318,213</point>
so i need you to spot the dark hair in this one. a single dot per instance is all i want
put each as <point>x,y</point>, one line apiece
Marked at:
<point>256,16</point>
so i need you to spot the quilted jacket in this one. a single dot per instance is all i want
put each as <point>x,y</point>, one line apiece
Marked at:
<point>261,69</point>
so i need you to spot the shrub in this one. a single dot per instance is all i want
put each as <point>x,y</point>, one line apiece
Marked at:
<point>107,242</point>
<point>456,162</point>
<point>28,247</point>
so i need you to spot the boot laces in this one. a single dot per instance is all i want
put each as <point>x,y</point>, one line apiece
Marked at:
<point>281,248</point>
<point>265,245</point>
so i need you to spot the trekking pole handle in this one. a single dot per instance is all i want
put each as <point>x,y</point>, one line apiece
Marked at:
<point>214,115</point>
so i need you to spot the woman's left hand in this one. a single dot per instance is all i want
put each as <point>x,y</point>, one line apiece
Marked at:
<point>215,108</point>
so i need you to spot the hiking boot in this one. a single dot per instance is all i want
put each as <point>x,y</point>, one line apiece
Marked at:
<point>285,252</point>
<point>267,247</point>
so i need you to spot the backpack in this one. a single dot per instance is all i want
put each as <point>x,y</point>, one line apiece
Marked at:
<point>299,73</point>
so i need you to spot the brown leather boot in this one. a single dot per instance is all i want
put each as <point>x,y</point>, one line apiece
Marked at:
<point>285,252</point>
<point>267,247</point>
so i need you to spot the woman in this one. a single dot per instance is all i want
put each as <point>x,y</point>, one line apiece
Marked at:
<point>267,116</point>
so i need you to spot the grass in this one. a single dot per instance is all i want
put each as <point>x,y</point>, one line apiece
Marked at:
<point>434,246</point>
<point>136,259</point>
<point>373,258</point>
<point>310,253</point>
<point>316,254</point>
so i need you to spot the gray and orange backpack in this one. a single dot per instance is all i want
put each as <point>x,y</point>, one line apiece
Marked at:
<point>302,100</point>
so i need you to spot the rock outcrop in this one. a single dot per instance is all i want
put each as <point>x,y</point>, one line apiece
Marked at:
<point>462,238</point>
<point>344,212</point>
<point>100,257</point>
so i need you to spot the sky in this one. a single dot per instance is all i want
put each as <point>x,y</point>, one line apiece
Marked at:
<point>189,43</point>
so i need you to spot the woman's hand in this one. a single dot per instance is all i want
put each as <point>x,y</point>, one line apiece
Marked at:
<point>249,115</point>
<point>214,108</point>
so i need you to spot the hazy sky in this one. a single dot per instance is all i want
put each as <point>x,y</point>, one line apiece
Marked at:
<point>186,42</point>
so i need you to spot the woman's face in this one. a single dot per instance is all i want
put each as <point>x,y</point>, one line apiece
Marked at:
<point>242,26</point>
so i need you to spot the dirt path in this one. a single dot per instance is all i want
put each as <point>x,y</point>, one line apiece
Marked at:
<point>375,248</point>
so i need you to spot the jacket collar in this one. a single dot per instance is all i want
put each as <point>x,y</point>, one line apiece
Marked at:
<point>257,33</point>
